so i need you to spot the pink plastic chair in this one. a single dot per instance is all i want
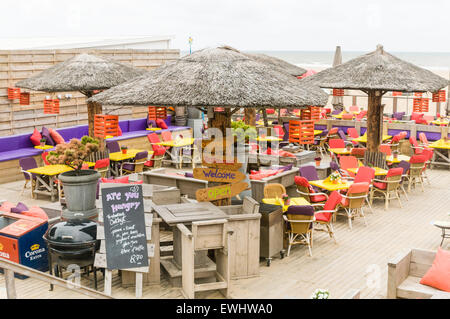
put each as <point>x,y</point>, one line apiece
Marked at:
<point>354,108</point>
<point>423,139</point>
<point>347,116</point>
<point>166,136</point>
<point>347,162</point>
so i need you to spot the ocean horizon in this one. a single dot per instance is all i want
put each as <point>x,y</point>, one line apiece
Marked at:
<point>324,59</point>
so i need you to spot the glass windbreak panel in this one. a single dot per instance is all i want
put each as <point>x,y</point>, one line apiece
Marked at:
<point>5,221</point>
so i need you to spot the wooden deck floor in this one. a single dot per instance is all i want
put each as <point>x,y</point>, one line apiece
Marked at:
<point>359,260</point>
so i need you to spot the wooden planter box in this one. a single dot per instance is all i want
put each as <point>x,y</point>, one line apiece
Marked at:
<point>187,186</point>
<point>299,159</point>
<point>244,263</point>
<point>285,178</point>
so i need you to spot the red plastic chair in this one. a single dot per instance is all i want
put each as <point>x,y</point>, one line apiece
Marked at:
<point>417,149</point>
<point>336,143</point>
<point>353,201</point>
<point>44,158</point>
<point>326,214</point>
<point>352,132</point>
<point>307,191</point>
<point>361,115</point>
<point>166,136</point>
<point>385,148</point>
<point>389,186</point>
<point>423,139</point>
<point>346,162</point>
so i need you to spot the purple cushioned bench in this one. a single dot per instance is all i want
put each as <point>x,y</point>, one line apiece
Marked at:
<point>19,146</point>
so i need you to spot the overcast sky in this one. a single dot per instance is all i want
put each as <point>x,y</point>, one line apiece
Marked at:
<point>400,25</point>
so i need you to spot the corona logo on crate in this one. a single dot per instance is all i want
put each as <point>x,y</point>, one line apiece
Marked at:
<point>105,125</point>
<point>35,252</point>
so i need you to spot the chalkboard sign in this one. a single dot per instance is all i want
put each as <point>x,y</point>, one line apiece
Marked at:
<point>124,222</point>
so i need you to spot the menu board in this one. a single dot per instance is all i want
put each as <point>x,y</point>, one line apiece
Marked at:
<point>124,222</point>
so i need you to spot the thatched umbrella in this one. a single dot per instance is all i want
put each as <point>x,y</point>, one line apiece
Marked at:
<point>215,77</point>
<point>84,73</point>
<point>337,101</point>
<point>375,74</point>
<point>281,66</point>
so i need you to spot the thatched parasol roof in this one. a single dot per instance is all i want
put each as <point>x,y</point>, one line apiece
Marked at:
<point>83,72</point>
<point>214,77</point>
<point>277,63</point>
<point>378,70</point>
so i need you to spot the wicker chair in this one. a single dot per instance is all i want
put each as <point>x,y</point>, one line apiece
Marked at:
<point>415,176</point>
<point>353,202</point>
<point>325,216</point>
<point>308,192</point>
<point>274,190</point>
<point>137,166</point>
<point>300,221</point>
<point>388,187</point>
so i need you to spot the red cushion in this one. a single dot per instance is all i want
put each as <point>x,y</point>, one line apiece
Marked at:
<point>57,138</point>
<point>324,217</point>
<point>300,180</point>
<point>161,124</point>
<point>317,198</point>
<point>36,137</point>
<point>380,185</point>
<point>285,154</point>
<point>149,163</point>
<point>438,276</point>
<point>158,150</point>
<point>101,163</point>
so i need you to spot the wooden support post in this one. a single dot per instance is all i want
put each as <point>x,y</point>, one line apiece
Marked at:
<point>374,120</point>
<point>250,116</point>
<point>354,100</point>
<point>394,104</point>
<point>266,122</point>
<point>92,109</point>
<point>10,285</point>
<point>438,108</point>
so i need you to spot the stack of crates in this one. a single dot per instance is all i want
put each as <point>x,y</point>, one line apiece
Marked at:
<point>106,125</point>
<point>157,112</point>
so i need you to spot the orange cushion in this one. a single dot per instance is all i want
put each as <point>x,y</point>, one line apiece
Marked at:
<point>36,137</point>
<point>438,276</point>
<point>36,211</point>
<point>56,136</point>
<point>6,206</point>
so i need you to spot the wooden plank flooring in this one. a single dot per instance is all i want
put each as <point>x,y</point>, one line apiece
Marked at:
<point>359,260</point>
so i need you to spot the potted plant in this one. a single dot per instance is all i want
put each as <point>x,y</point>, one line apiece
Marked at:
<point>335,177</point>
<point>124,149</point>
<point>320,294</point>
<point>80,186</point>
<point>318,159</point>
<point>285,198</point>
<point>42,141</point>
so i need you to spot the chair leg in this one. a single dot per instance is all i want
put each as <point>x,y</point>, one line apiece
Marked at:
<point>363,216</point>
<point>398,197</point>
<point>309,241</point>
<point>404,192</point>
<point>349,215</point>
<point>370,205</point>
<point>386,203</point>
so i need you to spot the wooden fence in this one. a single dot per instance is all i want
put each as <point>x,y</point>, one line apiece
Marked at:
<point>17,65</point>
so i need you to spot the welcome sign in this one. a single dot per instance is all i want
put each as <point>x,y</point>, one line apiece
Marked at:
<point>218,175</point>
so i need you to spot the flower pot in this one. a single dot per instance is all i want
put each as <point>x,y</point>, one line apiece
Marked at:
<point>80,190</point>
<point>42,144</point>
<point>317,163</point>
<point>287,202</point>
<point>124,151</point>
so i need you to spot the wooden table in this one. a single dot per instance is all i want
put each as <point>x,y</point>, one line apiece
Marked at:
<point>298,201</point>
<point>118,157</point>
<point>178,145</point>
<point>51,172</point>
<point>444,226</point>
<point>186,213</point>
<point>378,171</point>
<point>442,151</point>
<point>437,122</point>
<point>45,147</point>
<point>390,159</point>
<point>330,186</point>
<point>317,132</point>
